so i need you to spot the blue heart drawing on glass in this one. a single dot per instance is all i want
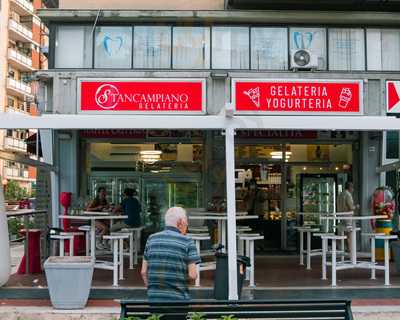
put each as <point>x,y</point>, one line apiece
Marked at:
<point>112,45</point>
<point>302,40</point>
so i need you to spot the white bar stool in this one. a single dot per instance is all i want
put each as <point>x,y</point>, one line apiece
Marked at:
<point>374,265</point>
<point>249,244</point>
<point>86,231</point>
<point>203,266</point>
<point>118,257</point>
<point>134,243</point>
<point>61,238</point>
<point>325,239</point>
<point>308,251</point>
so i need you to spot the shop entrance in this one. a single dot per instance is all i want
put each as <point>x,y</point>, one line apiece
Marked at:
<point>295,182</point>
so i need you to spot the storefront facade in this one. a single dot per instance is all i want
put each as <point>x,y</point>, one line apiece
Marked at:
<point>289,101</point>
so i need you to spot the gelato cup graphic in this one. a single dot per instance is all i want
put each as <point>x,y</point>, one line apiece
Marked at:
<point>345,98</point>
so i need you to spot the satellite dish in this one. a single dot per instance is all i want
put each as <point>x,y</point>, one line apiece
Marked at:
<point>302,58</point>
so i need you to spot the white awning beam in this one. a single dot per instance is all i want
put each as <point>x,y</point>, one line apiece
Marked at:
<point>56,121</point>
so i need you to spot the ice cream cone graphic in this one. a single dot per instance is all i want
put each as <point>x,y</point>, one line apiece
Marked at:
<point>254,95</point>
<point>345,98</point>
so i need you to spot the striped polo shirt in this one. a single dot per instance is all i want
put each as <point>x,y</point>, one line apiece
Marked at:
<point>168,254</point>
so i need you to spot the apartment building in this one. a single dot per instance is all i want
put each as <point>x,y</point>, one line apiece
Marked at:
<point>20,56</point>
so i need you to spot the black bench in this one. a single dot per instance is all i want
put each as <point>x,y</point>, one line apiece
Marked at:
<point>257,309</point>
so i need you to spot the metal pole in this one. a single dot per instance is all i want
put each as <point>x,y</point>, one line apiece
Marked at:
<point>231,212</point>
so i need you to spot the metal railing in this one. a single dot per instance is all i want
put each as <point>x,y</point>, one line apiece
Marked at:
<point>27,5</point>
<point>19,57</point>
<point>19,28</point>
<point>19,85</point>
<point>16,173</point>
<point>15,144</point>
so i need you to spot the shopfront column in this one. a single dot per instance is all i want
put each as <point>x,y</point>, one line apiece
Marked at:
<point>231,212</point>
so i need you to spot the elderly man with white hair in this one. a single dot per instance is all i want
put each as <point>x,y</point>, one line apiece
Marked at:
<point>170,259</point>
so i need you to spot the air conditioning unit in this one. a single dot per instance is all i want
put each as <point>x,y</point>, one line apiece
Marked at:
<point>303,59</point>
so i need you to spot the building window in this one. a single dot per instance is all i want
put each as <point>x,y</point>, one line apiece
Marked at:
<point>392,145</point>
<point>191,48</point>
<point>269,49</point>
<point>383,49</point>
<point>230,48</point>
<point>152,47</point>
<point>10,102</point>
<point>73,47</point>
<point>113,47</point>
<point>346,49</point>
<point>312,40</point>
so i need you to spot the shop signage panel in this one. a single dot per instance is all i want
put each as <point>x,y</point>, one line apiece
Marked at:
<point>393,97</point>
<point>142,96</point>
<point>299,97</point>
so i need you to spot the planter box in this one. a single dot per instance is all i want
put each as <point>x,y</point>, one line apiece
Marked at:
<point>69,280</point>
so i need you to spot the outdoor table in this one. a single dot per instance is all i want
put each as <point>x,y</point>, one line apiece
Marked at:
<point>92,216</point>
<point>221,218</point>
<point>353,231</point>
<point>25,213</point>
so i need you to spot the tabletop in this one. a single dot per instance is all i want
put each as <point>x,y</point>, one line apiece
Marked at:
<point>355,217</point>
<point>94,217</point>
<point>23,212</point>
<point>220,217</point>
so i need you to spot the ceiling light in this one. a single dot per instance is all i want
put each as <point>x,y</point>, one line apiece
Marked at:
<point>150,152</point>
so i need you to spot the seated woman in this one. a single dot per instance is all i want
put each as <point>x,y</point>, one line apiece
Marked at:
<point>100,203</point>
<point>130,206</point>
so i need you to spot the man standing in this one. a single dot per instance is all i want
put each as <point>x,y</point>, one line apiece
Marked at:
<point>345,203</point>
<point>170,259</point>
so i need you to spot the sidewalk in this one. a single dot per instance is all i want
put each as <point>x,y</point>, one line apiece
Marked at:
<point>387,309</point>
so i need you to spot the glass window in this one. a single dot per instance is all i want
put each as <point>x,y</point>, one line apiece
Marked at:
<point>73,47</point>
<point>113,47</point>
<point>191,48</point>
<point>269,48</point>
<point>311,39</point>
<point>230,48</point>
<point>383,49</point>
<point>346,49</point>
<point>152,47</point>
<point>392,145</point>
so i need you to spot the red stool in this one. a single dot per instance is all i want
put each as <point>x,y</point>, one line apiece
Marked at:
<point>33,253</point>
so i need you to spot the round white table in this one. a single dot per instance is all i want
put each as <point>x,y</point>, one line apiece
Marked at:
<point>92,217</point>
<point>221,218</point>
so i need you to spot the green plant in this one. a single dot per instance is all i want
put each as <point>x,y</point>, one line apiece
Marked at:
<point>228,317</point>
<point>14,191</point>
<point>196,316</point>
<point>154,317</point>
<point>132,318</point>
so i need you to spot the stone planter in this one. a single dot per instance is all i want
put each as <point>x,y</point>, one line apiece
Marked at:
<point>69,280</point>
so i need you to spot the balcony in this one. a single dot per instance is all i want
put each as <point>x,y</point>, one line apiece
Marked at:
<point>23,111</point>
<point>19,89</point>
<point>22,7</point>
<point>19,61</point>
<point>14,144</point>
<point>17,173</point>
<point>18,32</point>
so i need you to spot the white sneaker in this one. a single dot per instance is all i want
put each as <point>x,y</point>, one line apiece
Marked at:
<point>100,246</point>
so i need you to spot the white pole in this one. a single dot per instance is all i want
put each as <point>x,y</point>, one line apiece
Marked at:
<point>231,212</point>
<point>5,259</point>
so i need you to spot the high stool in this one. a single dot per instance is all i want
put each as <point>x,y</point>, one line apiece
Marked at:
<point>239,231</point>
<point>134,243</point>
<point>62,237</point>
<point>130,251</point>
<point>203,266</point>
<point>33,251</point>
<point>325,242</point>
<point>86,231</point>
<point>374,266</point>
<point>117,245</point>
<point>249,244</point>
<point>308,251</point>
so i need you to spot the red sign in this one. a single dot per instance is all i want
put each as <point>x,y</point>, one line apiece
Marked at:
<point>149,96</point>
<point>393,96</point>
<point>297,96</point>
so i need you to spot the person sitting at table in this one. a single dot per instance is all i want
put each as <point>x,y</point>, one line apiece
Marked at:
<point>130,206</point>
<point>100,203</point>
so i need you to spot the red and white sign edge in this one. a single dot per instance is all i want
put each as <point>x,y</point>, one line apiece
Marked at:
<point>278,113</point>
<point>393,96</point>
<point>190,113</point>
